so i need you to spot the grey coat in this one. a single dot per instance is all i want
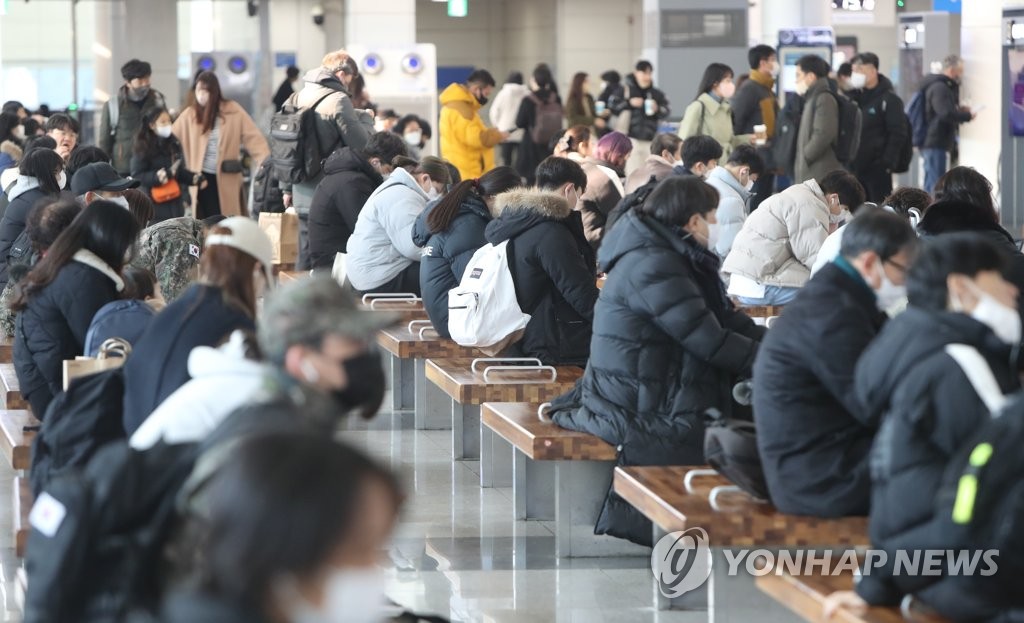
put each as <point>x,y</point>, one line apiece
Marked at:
<point>819,132</point>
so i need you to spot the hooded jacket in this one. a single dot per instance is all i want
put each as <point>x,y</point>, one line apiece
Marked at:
<point>818,134</point>
<point>942,111</point>
<point>10,155</point>
<point>381,245</point>
<point>446,255</point>
<point>465,141</point>
<point>505,107</point>
<point>655,166</point>
<point>667,346</point>
<point>928,410</point>
<point>117,141</point>
<point>349,180</point>
<point>54,325</point>
<point>23,198</point>
<point>642,126</point>
<point>552,266</point>
<point>732,207</point>
<point>885,128</point>
<point>712,117</point>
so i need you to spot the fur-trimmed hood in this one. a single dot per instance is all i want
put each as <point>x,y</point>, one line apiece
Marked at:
<point>520,209</point>
<point>90,259</point>
<point>11,149</point>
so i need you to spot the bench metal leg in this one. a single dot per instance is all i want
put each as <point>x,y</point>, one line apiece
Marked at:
<point>465,431</point>
<point>533,488</point>
<point>495,459</point>
<point>403,372</point>
<point>432,404</point>
<point>698,600</point>
<point>580,490</point>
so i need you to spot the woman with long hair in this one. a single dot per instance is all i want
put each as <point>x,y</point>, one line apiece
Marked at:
<point>711,113</point>
<point>212,132</point>
<point>159,164</point>
<point>540,116</point>
<point>56,301</point>
<point>579,104</point>
<point>40,174</point>
<point>575,143</point>
<point>234,267</point>
<point>451,232</point>
<point>604,169</point>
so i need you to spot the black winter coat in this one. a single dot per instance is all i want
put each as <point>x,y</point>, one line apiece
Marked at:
<point>531,154</point>
<point>641,125</point>
<point>144,167</point>
<point>942,112</point>
<point>349,180</point>
<point>885,127</point>
<point>13,223</point>
<point>552,266</point>
<point>928,410</point>
<point>812,434</point>
<point>54,325</point>
<point>446,255</point>
<point>668,345</point>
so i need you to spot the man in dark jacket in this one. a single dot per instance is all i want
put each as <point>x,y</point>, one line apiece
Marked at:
<point>350,177</point>
<point>944,115</point>
<point>812,434</point>
<point>646,106</point>
<point>885,129</point>
<point>755,104</point>
<point>551,262</point>
<point>124,113</point>
<point>287,87</point>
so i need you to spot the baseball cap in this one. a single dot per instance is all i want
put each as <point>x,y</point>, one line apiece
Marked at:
<point>247,237</point>
<point>304,311</point>
<point>99,176</point>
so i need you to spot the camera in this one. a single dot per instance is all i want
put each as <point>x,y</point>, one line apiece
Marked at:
<point>318,14</point>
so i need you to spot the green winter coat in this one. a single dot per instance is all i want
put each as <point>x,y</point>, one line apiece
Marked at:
<point>707,116</point>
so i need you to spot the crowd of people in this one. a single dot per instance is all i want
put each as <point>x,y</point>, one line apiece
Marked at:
<point>861,401</point>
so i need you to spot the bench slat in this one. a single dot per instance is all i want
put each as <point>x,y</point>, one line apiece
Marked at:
<point>11,387</point>
<point>15,442</point>
<point>405,344</point>
<point>518,423</point>
<point>456,379</point>
<point>21,507</point>
<point>6,349</point>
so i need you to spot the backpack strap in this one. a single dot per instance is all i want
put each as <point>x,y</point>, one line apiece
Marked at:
<point>703,114</point>
<point>980,375</point>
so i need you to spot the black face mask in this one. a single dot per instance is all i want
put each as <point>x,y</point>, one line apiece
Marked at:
<point>482,99</point>
<point>365,390</point>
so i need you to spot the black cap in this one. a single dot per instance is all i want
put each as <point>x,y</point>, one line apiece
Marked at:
<point>99,176</point>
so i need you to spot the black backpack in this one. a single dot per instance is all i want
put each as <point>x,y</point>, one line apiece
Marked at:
<point>730,447</point>
<point>787,129</point>
<point>295,150</point>
<point>850,124</point>
<point>266,191</point>
<point>902,165</point>
<point>547,122</point>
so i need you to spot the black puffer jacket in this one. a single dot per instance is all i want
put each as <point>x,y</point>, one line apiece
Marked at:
<point>553,268</point>
<point>13,223</point>
<point>144,167</point>
<point>885,128</point>
<point>349,180</point>
<point>667,346</point>
<point>928,409</point>
<point>641,125</point>
<point>942,111</point>
<point>813,436</point>
<point>446,255</point>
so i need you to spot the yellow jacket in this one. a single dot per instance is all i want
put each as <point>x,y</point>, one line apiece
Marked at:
<point>465,141</point>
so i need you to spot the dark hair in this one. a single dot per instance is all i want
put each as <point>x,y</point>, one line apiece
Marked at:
<point>385,146</point>
<point>866,58</point>
<point>405,162</point>
<point>273,514</point>
<point>544,78</point>
<point>453,173</point>
<point>967,185</point>
<point>8,121</point>
<point>86,154</point>
<point>643,66</point>
<point>759,53</point>
<point>139,283</point>
<point>611,77</point>
<point>48,218</point>
<point>676,199</point>
<point>572,138</point>
<point>876,230</point>
<point>404,121</point>
<point>42,164</point>
<point>576,94</point>
<point>666,141</point>
<point>32,127</point>
<point>135,69</point>
<point>292,72</point>
<point>955,253</point>
<point>747,156</point>
<point>813,64</point>
<point>60,121</point>
<point>207,115</point>
<point>844,184</point>
<point>481,77</point>
<point>553,172</point>
<point>141,206</point>
<point>906,197</point>
<point>494,182</point>
<point>147,142</point>
<point>514,77</point>
<point>389,113</point>
<point>104,228</point>
<point>713,74</point>
<point>39,142</point>
<point>845,70</point>
<point>700,148</point>
<point>436,168</point>
<point>13,106</point>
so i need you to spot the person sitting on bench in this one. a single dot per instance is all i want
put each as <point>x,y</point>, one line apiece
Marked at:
<point>813,436</point>
<point>668,344</point>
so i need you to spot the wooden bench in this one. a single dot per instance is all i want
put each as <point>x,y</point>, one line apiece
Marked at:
<point>410,346</point>
<point>559,475</point>
<point>288,276</point>
<point>20,508</point>
<point>11,388</point>
<point>805,596</point>
<point>735,520</point>
<point>469,383</point>
<point>6,349</point>
<point>15,440</point>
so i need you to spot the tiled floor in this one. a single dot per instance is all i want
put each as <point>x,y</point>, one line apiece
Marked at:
<point>459,553</point>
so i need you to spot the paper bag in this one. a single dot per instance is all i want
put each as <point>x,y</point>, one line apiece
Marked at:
<point>283,230</point>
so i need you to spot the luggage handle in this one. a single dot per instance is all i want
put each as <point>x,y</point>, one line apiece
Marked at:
<point>693,474</point>
<point>533,360</point>
<point>428,328</point>
<point>489,369</point>
<point>541,415</point>
<point>416,323</point>
<point>718,491</point>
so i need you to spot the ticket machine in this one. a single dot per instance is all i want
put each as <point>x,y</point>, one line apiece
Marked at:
<point>1012,160</point>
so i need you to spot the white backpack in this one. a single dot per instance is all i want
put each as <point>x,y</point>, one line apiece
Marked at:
<point>483,311</point>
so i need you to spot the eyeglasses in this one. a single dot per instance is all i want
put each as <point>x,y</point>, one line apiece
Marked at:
<point>900,267</point>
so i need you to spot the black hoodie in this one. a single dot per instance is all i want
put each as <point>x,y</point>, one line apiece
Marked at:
<point>349,180</point>
<point>884,130</point>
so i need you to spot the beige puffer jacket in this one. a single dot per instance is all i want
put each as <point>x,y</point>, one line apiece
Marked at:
<point>780,240</point>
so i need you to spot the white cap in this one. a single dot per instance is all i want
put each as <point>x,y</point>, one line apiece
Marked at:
<point>246,236</point>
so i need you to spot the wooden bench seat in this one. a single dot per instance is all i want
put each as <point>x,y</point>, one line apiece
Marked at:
<point>11,388</point>
<point>805,596</point>
<point>6,349</point>
<point>288,276</point>
<point>15,441</point>
<point>519,424</point>
<point>20,508</point>
<point>761,311</point>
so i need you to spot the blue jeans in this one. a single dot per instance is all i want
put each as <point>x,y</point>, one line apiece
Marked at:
<point>935,163</point>
<point>773,295</point>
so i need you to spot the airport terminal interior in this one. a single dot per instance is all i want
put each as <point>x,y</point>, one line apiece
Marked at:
<point>350,311</point>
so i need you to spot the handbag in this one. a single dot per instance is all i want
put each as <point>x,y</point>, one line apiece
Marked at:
<point>231,166</point>
<point>166,192</point>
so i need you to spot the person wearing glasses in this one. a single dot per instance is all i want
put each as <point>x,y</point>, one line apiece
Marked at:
<point>813,435</point>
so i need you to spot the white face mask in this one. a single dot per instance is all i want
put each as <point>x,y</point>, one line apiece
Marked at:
<point>378,125</point>
<point>712,236</point>
<point>801,88</point>
<point>1002,319</point>
<point>163,131</point>
<point>433,193</point>
<point>775,69</point>
<point>119,200</point>
<point>19,132</point>
<point>62,179</point>
<point>350,596</point>
<point>202,97</point>
<point>858,81</point>
<point>727,89</point>
<point>414,138</point>
<point>839,219</point>
<point>888,293</point>
<point>749,186</point>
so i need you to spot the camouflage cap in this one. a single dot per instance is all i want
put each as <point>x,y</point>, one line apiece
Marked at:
<point>304,311</point>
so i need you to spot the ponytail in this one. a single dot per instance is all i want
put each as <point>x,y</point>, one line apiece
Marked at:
<point>494,182</point>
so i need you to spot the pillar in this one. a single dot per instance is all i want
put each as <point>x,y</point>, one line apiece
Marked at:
<point>380,22</point>
<point>144,29</point>
<point>581,44</point>
<point>981,49</point>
